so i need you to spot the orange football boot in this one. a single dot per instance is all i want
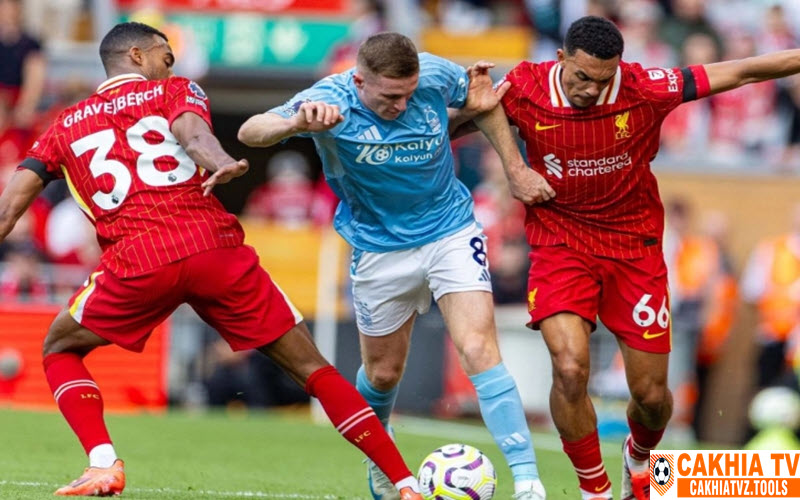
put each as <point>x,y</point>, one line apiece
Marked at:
<point>634,486</point>
<point>409,494</point>
<point>97,482</point>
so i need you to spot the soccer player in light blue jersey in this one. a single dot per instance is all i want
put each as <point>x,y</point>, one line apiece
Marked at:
<point>381,130</point>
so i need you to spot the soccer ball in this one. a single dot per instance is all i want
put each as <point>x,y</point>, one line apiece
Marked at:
<point>457,472</point>
<point>10,363</point>
<point>775,407</point>
<point>661,471</point>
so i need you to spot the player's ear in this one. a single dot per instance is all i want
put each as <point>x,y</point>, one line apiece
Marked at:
<point>561,56</point>
<point>136,54</point>
<point>358,80</point>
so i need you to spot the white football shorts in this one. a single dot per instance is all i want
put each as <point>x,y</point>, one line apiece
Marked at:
<point>389,286</point>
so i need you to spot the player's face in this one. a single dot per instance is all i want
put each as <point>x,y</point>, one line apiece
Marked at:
<point>584,76</point>
<point>386,97</point>
<point>157,59</point>
<point>10,12</point>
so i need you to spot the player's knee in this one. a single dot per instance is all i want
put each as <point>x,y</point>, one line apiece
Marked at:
<point>386,377</point>
<point>54,340</point>
<point>571,378</point>
<point>479,352</point>
<point>66,335</point>
<point>48,346</point>
<point>650,396</point>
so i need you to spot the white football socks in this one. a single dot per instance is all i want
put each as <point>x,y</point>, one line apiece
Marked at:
<point>409,482</point>
<point>102,455</point>
<point>636,466</point>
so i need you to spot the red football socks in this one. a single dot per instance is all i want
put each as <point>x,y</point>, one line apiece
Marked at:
<point>355,420</point>
<point>642,440</point>
<point>77,397</point>
<point>588,463</point>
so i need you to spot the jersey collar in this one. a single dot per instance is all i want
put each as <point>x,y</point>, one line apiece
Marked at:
<point>118,80</point>
<point>559,99</point>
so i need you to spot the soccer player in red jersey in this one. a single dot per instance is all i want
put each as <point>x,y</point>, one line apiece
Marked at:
<point>135,156</point>
<point>591,126</point>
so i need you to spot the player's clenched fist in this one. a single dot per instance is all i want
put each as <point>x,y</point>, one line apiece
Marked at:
<point>316,116</point>
<point>529,187</point>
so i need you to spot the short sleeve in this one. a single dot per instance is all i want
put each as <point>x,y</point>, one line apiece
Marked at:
<point>325,90</point>
<point>511,99</point>
<point>43,157</point>
<point>447,77</point>
<point>666,88</point>
<point>32,45</point>
<point>184,95</point>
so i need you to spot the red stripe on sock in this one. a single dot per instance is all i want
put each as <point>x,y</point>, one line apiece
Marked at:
<point>79,399</point>
<point>341,403</point>
<point>588,463</point>
<point>645,439</point>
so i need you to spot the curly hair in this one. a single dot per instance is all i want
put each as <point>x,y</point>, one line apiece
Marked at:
<point>597,36</point>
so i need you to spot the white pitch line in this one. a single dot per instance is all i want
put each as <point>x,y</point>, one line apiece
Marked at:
<point>478,434</point>
<point>193,492</point>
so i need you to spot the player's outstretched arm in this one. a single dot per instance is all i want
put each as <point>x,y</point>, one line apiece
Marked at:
<point>194,134</point>
<point>526,185</point>
<point>24,186</point>
<point>269,128</point>
<point>729,75</point>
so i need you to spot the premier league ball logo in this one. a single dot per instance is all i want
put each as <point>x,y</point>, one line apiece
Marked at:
<point>661,471</point>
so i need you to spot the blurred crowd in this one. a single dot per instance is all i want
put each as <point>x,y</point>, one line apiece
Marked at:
<point>755,128</point>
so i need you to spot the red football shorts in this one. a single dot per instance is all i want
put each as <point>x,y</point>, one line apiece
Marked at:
<point>226,286</point>
<point>629,296</point>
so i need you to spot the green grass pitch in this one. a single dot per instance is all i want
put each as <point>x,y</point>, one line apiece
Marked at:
<point>271,455</point>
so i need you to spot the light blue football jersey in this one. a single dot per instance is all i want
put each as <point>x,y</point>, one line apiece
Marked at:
<point>395,178</point>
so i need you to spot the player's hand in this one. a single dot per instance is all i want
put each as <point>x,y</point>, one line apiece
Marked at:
<point>481,94</point>
<point>225,174</point>
<point>529,186</point>
<point>316,116</point>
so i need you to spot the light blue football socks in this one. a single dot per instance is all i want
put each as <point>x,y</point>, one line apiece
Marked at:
<point>381,402</point>
<point>501,408</point>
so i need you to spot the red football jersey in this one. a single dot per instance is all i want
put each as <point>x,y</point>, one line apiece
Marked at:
<point>597,159</point>
<point>130,176</point>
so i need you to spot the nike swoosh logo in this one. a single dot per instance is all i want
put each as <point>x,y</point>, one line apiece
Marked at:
<point>601,488</point>
<point>647,335</point>
<point>539,127</point>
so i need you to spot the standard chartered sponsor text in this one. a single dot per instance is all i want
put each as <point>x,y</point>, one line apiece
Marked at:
<point>589,167</point>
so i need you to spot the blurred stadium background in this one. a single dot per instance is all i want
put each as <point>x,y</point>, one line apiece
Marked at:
<point>728,171</point>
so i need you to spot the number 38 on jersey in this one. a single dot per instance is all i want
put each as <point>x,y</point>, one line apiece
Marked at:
<point>151,138</point>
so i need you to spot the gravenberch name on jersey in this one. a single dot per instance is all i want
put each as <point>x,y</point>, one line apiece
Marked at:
<point>113,106</point>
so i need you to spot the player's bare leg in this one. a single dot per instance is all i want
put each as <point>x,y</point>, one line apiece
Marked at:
<point>649,410</point>
<point>79,400</point>
<point>67,335</point>
<point>296,353</point>
<point>567,339</point>
<point>384,357</point>
<point>383,364</point>
<point>469,317</point>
